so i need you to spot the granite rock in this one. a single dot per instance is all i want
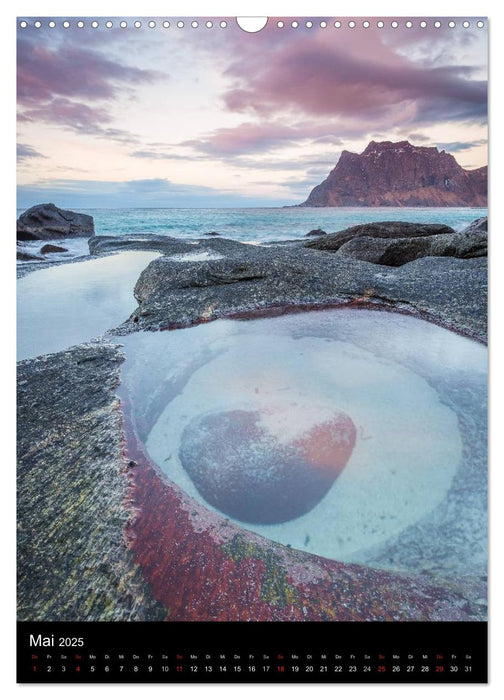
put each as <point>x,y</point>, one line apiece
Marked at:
<point>170,293</point>
<point>381,229</point>
<point>47,222</point>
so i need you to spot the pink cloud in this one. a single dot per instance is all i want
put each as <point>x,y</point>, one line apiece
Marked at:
<point>73,87</point>
<point>250,137</point>
<point>44,73</point>
<point>351,74</point>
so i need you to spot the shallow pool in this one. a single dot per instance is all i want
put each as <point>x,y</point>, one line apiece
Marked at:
<point>61,306</point>
<point>356,435</point>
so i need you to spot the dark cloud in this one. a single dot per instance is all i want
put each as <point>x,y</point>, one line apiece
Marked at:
<point>252,137</point>
<point>75,73</point>
<point>418,138</point>
<point>457,146</point>
<point>358,76</point>
<point>248,163</point>
<point>161,155</point>
<point>78,117</point>
<point>155,192</point>
<point>24,151</point>
<point>73,86</point>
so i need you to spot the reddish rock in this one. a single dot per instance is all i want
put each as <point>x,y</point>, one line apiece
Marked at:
<point>400,174</point>
<point>200,566</point>
<point>242,469</point>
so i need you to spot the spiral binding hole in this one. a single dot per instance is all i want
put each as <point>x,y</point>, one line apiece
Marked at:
<point>294,24</point>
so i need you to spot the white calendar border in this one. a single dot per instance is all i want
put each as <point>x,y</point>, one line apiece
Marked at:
<point>313,8</point>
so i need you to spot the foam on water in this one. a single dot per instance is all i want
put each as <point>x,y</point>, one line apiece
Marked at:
<point>68,304</point>
<point>75,247</point>
<point>387,372</point>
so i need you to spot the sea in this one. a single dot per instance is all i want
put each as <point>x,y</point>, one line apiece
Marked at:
<point>259,225</point>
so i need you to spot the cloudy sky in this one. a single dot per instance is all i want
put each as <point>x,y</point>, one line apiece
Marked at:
<point>212,117</point>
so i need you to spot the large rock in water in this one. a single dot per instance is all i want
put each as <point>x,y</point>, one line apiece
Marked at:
<point>243,469</point>
<point>46,222</point>
<point>400,175</point>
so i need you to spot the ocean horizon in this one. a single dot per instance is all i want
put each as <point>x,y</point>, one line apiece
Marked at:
<point>263,225</point>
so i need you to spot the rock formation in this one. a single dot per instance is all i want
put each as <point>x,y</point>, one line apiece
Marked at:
<point>242,469</point>
<point>46,222</point>
<point>395,243</point>
<point>400,175</point>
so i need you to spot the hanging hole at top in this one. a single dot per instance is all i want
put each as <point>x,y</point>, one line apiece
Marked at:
<point>251,24</point>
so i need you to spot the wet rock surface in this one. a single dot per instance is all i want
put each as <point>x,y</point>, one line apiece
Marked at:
<point>47,222</point>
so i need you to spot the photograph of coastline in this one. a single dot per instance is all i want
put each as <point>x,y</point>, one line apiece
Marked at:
<point>252,320</point>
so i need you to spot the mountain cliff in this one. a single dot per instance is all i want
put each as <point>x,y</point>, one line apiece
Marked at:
<point>400,175</point>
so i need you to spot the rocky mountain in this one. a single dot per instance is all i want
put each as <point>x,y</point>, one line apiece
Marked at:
<point>400,175</point>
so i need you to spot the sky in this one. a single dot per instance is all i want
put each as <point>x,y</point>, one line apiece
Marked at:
<point>215,116</point>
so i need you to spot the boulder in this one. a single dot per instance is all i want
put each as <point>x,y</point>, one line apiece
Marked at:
<point>399,251</point>
<point>381,229</point>
<point>243,469</point>
<point>47,222</point>
<point>385,251</point>
<point>466,244</point>
<point>26,257</point>
<point>50,248</point>
<point>315,232</point>
<point>212,233</point>
<point>477,226</point>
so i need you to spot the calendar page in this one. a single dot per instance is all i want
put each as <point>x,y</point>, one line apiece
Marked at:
<point>252,349</point>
